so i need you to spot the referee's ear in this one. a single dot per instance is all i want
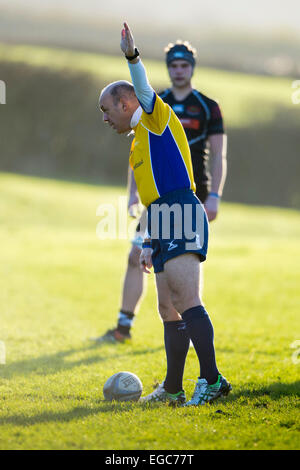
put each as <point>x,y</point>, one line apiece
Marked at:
<point>129,104</point>
<point>124,104</point>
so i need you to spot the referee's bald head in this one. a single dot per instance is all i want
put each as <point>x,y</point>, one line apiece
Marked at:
<point>118,90</point>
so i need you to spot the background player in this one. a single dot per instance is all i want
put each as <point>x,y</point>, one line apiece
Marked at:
<point>203,124</point>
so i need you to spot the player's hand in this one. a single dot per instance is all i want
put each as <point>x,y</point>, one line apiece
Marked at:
<point>146,260</point>
<point>127,41</point>
<point>211,206</point>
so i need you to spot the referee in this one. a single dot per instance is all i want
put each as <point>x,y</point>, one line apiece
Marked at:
<point>162,165</point>
<point>202,121</point>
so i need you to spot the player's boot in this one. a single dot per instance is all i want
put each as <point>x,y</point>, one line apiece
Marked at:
<point>161,395</point>
<point>205,393</point>
<point>112,336</point>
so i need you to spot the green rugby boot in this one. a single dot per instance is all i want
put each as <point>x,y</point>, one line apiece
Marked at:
<point>205,393</point>
<point>161,395</point>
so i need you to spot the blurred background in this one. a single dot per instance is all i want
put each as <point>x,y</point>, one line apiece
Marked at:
<point>56,55</point>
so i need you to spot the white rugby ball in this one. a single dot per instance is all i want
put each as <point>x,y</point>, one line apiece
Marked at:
<point>123,386</point>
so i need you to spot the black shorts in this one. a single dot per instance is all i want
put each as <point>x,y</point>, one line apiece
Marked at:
<point>177,224</point>
<point>202,192</point>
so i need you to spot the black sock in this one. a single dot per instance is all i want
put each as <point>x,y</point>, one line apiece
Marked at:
<point>177,343</point>
<point>201,332</point>
<point>125,321</point>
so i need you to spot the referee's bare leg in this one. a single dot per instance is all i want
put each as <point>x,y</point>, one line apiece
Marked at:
<point>183,278</point>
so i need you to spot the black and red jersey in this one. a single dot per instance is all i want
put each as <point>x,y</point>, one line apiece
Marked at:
<point>200,117</point>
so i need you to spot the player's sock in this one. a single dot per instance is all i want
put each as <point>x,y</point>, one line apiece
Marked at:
<point>125,322</point>
<point>201,332</point>
<point>177,343</point>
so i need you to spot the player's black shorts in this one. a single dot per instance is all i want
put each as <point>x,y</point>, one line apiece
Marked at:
<point>202,192</point>
<point>177,224</point>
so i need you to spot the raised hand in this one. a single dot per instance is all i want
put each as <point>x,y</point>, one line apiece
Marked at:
<point>127,41</point>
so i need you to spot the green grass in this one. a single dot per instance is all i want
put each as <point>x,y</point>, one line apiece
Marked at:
<point>245,99</point>
<point>60,285</point>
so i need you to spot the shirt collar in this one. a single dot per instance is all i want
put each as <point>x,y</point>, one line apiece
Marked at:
<point>136,117</point>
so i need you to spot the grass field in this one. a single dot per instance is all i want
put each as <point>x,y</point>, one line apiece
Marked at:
<point>60,285</point>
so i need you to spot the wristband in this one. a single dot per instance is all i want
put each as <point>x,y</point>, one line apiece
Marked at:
<point>136,54</point>
<point>215,195</point>
<point>147,244</point>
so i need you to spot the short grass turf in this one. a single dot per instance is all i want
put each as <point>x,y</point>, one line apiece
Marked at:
<point>60,286</point>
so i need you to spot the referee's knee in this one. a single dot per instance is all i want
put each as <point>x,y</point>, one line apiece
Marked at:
<point>167,312</point>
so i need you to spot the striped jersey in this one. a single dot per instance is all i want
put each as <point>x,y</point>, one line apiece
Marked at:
<point>201,117</point>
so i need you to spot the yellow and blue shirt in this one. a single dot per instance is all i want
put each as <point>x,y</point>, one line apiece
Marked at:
<point>160,155</point>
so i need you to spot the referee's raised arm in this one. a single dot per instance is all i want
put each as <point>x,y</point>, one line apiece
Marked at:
<point>142,87</point>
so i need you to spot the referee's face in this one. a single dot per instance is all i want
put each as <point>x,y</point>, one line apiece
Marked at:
<point>117,115</point>
<point>180,72</point>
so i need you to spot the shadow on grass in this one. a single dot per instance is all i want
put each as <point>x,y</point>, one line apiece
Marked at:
<point>54,363</point>
<point>79,412</point>
<point>275,391</point>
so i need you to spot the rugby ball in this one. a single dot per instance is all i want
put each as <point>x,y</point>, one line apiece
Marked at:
<point>123,386</point>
